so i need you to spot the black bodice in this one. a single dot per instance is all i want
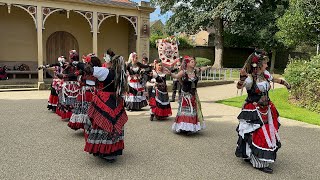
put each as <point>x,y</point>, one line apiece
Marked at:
<point>108,83</point>
<point>254,95</point>
<point>189,85</point>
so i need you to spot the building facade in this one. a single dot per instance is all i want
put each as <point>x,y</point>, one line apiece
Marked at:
<point>39,31</point>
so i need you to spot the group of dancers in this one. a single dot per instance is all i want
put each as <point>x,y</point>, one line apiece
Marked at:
<point>94,96</point>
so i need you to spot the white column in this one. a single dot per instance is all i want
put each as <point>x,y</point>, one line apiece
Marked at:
<point>40,43</point>
<point>95,33</point>
<point>138,49</point>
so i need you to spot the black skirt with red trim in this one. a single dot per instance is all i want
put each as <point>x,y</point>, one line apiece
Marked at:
<point>105,129</point>
<point>256,138</point>
<point>159,103</point>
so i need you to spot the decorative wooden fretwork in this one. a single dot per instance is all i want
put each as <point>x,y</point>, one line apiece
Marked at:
<point>88,15</point>
<point>32,10</point>
<point>47,11</point>
<point>102,17</point>
<point>133,20</point>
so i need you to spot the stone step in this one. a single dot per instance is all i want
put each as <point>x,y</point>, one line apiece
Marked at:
<point>22,87</point>
<point>18,86</point>
<point>19,89</point>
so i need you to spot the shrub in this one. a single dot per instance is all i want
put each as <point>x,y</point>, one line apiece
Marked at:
<point>153,39</point>
<point>203,61</point>
<point>304,75</point>
<point>184,43</point>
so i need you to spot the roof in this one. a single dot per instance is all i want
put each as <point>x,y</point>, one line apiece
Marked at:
<point>155,22</point>
<point>121,3</point>
<point>126,3</point>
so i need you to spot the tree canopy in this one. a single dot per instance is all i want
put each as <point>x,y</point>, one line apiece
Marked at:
<point>240,17</point>
<point>300,24</point>
<point>253,20</point>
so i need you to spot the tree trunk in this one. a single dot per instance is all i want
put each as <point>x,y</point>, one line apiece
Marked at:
<point>273,60</point>
<point>218,43</point>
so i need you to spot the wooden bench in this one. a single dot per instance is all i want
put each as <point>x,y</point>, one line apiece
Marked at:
<point>11,64</point>
<point>14,73</point>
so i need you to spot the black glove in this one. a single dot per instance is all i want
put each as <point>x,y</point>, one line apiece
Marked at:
<point>60,76</point>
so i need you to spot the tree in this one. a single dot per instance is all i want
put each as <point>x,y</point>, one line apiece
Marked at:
<point>259,21</point>
<point>245,18</point>
<point>189,16</point>
<point>300,24</point>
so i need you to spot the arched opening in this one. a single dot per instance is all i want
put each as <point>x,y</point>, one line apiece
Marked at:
<point>59,44</point>
<point>18,36</point>
<point>62,34</point>
<point>118,36</point>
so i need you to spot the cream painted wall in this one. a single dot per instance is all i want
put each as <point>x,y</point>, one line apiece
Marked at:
<point>76,25</point>
<point>18,35</point>
<point>23,33</point>
<point>201,38</point>
<point>115,36</point>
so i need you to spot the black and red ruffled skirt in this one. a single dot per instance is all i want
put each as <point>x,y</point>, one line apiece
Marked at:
<point>259,130</point>
<point>104,131</point>
<point>53,98</point>
<point>189,114</point>
<point>67,99</point>
<point>80,111</point>
<point>135,99</point>
<point>159,103</point>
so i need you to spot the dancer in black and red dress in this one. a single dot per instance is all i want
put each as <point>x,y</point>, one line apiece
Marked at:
<point>189,117</point>
<point>158,98</point>
<point>259,124</point>
<point>56,84</point>
<point>135,99</point>
<point>70,87</point>
<point>104,132</point>
<point>87,90</point>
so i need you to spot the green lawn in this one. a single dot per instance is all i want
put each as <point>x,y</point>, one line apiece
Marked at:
<point>280,98</point>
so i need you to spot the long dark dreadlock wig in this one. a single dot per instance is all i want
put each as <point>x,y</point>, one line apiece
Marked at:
<point>120,79</point>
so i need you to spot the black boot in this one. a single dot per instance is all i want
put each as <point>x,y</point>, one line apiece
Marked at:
<point>151,117</point>
<point>54,108</point>
<point>266,170</point>
<point>109,159</point>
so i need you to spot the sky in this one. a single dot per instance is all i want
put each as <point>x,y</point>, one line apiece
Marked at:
<point>156,14</point>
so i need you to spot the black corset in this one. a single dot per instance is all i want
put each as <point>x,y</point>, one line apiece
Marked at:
<point>189,86</point>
